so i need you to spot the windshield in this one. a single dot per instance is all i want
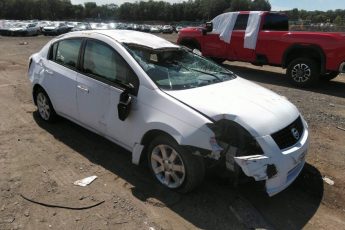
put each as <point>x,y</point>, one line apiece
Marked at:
<point>177,69</point>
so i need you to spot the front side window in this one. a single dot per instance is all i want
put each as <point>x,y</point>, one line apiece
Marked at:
<point>104,62</point>
<point>66,52</point>
<point>241,22</point>
<point>178,68</point>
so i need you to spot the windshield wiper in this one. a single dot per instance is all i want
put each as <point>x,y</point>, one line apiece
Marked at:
<point>228,73</point>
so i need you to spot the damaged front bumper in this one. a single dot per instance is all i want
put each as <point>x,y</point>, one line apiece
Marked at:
<point>278,167</point>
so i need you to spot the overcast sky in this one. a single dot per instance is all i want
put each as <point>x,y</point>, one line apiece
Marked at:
<point>276,4</point>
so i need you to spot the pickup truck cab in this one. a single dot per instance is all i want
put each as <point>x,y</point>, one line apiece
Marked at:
<point>308,56</point>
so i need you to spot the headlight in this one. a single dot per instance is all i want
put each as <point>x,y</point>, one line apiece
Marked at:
<point>229,133</point>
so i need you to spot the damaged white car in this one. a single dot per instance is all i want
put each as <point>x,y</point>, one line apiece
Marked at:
<point>174,109</point>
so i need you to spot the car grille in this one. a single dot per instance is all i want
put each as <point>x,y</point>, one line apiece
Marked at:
<point>289,136</point>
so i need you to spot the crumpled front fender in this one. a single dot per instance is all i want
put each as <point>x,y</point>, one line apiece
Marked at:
<point>254,166</point>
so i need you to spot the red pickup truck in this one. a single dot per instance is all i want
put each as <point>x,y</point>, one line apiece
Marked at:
<point>308,56</point>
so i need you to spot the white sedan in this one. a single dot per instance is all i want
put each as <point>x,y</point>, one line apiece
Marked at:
<point>170,107</point>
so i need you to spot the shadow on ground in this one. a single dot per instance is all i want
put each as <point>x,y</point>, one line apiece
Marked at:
<point>209,207</point>
<point>333,88</point>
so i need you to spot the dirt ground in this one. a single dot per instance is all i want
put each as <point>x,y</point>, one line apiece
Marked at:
<point>41,161</point>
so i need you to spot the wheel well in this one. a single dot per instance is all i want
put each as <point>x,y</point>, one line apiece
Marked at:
<point>298,51</point>
<point>35,90</point>
<point>190,43</point>
<point>146,140</point>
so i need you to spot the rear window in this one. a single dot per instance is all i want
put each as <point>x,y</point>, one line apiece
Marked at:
<point>277,22</point>
<point>241,22</point>
<point>66,52</point>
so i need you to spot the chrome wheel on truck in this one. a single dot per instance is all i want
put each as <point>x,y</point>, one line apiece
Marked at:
<point>303,72</point>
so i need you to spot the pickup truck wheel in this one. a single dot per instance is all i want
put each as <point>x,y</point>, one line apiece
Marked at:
<point>329,76</point>
<point>173,166</point>
<point>303,72</point>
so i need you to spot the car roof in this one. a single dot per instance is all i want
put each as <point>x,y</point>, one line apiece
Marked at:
<point>129,37</point>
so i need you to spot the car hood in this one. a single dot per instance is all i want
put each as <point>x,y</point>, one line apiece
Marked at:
<point>259,110</point>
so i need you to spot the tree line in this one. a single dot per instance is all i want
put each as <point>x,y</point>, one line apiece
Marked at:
<point>190,10</point>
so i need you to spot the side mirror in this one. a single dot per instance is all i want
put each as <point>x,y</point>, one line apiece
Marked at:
<point>124,106</point>
<point>209,27</point>
<point>197,52</point>
<point>125,103</point>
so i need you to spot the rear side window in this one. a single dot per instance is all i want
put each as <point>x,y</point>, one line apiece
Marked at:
<point>241,22</point>
<point>276,22</point>
<point>66,52</point>
<point>103,61</point>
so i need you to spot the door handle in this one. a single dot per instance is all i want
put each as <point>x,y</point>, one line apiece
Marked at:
<point>82,88</point>
<point>49,71</point>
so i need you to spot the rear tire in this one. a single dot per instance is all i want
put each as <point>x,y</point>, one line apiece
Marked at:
<point>303,72</point>
<point>44,106</point>
<point>173,166</point>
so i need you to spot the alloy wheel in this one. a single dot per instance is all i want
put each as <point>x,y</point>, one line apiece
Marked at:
<point>301,72</point>
<point>168,166</point>
<point>43,106</point>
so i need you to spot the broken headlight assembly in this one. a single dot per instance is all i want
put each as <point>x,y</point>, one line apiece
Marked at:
<point>231,136</point>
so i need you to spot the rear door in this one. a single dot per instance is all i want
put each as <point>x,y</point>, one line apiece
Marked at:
<point>60,76</point>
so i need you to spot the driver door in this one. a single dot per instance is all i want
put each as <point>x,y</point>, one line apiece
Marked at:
<point>100,89</point>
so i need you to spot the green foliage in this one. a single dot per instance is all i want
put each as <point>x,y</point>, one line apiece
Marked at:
<point>332,16</point>
<point>260,5</point>
<point>189,10</point>
<point>237,5</point>
<point>338,21</point>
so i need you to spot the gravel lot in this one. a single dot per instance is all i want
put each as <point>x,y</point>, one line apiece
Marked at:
<point>41,161</point>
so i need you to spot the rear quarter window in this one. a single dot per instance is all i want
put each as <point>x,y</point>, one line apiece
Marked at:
<point>66,52</point>
<point>276,22</point>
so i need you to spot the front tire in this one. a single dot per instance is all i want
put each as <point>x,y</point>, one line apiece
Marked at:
<point>44,106</point>
<point>173,166</point>
<point>303,72</point>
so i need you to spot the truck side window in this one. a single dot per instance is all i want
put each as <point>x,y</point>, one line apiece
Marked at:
<point>276,22</point>
<point>241,22</point>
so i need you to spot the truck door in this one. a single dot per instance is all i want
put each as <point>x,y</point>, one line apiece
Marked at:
<point>214,47</point>
<point>237,40</point>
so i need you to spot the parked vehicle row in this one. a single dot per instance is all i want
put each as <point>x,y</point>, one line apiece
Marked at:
<point>20,29</point>
<point>34,27</point>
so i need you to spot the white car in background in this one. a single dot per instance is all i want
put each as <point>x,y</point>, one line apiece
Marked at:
<point>170,106</point>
